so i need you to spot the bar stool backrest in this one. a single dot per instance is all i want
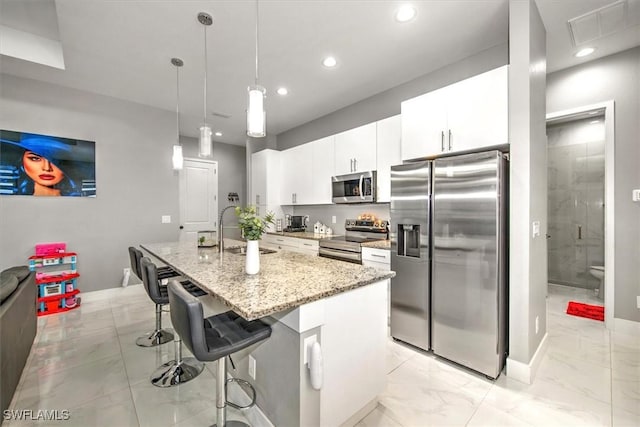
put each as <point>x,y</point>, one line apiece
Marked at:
<point>134,258</point>
<point>150,281</point>
<point>187,318</point>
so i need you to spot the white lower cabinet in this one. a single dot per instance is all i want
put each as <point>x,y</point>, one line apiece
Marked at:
<point>294,244</point>
<point>380,259</point>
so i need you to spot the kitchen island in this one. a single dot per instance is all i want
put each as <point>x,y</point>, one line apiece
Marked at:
<point>305,299</point>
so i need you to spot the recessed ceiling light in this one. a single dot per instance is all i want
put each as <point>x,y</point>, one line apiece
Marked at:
<point>405,13</point>
<point>329,62</point>
<point>282,91</point>
<point>218,133</point>
<point>584,52</point>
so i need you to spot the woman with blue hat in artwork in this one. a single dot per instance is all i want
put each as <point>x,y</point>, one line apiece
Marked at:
<point>45,165</point>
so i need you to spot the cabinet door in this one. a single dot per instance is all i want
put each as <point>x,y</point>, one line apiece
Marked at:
<point>424,121</point>
<point>323,169</point>
<point>296,175</point>
<point>258,178</point>
<point>478,111</point>
<point>355,150</point>
<point>388,154</point>
<point>265,178</point>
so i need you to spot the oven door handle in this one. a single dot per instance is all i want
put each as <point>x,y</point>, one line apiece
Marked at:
<point>345,255</point>
<point>361,181</point>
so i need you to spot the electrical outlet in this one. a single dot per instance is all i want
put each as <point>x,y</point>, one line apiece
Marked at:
<point>535,228</point>
<point>333,219</point>
<point>638,301</point>
<point>166,219</point>
<point>537,324</point>
<point>252,367</point>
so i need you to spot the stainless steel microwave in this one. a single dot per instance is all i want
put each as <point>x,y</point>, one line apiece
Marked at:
<point>354,188</point>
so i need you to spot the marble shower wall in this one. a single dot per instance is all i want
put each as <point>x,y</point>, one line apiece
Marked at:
<point>576,201</point>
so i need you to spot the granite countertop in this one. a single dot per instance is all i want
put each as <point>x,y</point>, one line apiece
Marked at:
<point>302,234</point>
<point>378,244</point>
<point>286,279</point>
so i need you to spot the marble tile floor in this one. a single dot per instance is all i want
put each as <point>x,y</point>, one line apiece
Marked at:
<point>86,361</point>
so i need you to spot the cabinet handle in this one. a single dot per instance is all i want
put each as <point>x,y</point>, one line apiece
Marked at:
<point>442,141</point>
<point>579,232</point>
<point>378,256</point>
<point>257,199</point>
<point>355,165</point>
<point>450,136</point>
<point>350,165</point>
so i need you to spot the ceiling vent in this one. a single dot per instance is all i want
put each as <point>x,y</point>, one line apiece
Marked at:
<point>599,23</point>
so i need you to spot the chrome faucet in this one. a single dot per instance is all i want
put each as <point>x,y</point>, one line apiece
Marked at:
<point>220,241</point>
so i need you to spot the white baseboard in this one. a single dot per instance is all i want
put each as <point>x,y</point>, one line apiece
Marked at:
<point>627,327</point>
<point>526,372</point>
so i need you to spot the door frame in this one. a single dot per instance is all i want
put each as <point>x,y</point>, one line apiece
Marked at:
<point>609,206</point>
<point>217,166</point>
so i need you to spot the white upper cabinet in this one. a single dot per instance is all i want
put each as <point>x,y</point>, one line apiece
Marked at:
<point>388,154</point>
<point>468,115</point>
<point>355,150</point>
<point>323,167</point>
<point>296,175</point>
<point>265,178</point>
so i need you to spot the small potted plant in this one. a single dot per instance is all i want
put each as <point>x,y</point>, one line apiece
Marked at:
<point>252,228</point>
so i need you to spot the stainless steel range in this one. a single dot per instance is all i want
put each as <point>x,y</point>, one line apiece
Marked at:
<point>349,247</point>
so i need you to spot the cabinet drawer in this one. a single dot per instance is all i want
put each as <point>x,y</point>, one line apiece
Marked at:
<point>376,255</point>
<point>313,245</point>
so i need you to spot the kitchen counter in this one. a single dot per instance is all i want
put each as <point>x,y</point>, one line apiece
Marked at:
<point>303,234</point>
<point>286,279</point>
<point>378,244</point>
<point>304,298</point>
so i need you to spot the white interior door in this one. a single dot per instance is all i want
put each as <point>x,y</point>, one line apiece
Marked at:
<point>198,198</point>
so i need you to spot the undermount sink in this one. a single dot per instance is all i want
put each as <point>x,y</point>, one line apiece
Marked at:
<point>242,250</point>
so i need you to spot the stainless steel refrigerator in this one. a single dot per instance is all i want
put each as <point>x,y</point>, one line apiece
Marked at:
<point>450,295</point>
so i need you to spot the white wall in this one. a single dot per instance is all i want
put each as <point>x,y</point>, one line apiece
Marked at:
<point>527,136</point>
<point>135,181</point>
<point>615,77</point>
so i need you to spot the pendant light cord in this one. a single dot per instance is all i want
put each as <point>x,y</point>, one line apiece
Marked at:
<point>205,76</point>
<point>257,21</point>
<point>178,105</point>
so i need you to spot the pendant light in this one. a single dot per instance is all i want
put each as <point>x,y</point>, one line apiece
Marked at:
<point>177,158</point>
<point>205,149</point>
<point>256,115</point>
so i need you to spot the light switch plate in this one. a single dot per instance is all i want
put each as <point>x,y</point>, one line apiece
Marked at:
<point>536,228</point>
<point>166,219</point>
<point>635,195</point>
<point>333,219</point>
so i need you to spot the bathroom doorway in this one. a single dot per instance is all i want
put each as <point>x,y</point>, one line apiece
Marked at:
<point>580,205</point>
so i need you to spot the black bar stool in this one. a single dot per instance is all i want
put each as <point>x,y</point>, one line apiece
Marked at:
<point>214,338</point>
<point>135,255</point>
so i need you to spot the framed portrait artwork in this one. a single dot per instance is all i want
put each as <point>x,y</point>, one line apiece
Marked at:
<point>44,165</point>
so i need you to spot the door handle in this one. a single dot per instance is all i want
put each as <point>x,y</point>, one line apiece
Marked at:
<point>360,185</point>
<point>442,141</point>
<point>450,137</point>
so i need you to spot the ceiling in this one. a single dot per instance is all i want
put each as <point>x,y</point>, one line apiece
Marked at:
<point>123,49</point>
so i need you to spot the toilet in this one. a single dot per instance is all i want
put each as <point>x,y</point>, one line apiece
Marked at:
<point>597,271</point>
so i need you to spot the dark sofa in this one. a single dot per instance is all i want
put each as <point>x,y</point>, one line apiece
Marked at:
<point>17,327</point>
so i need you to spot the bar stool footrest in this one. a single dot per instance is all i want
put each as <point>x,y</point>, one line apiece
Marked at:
<point>243,382</point>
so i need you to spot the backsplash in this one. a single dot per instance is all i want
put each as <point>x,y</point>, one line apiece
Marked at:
<point>323,213</point>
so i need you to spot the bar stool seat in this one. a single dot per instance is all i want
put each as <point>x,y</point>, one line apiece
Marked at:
<point>213,339</point>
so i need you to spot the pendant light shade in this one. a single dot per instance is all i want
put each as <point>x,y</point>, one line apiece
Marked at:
<point>204,146</point>
<point>256,114</point>
<point>177,159</point>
